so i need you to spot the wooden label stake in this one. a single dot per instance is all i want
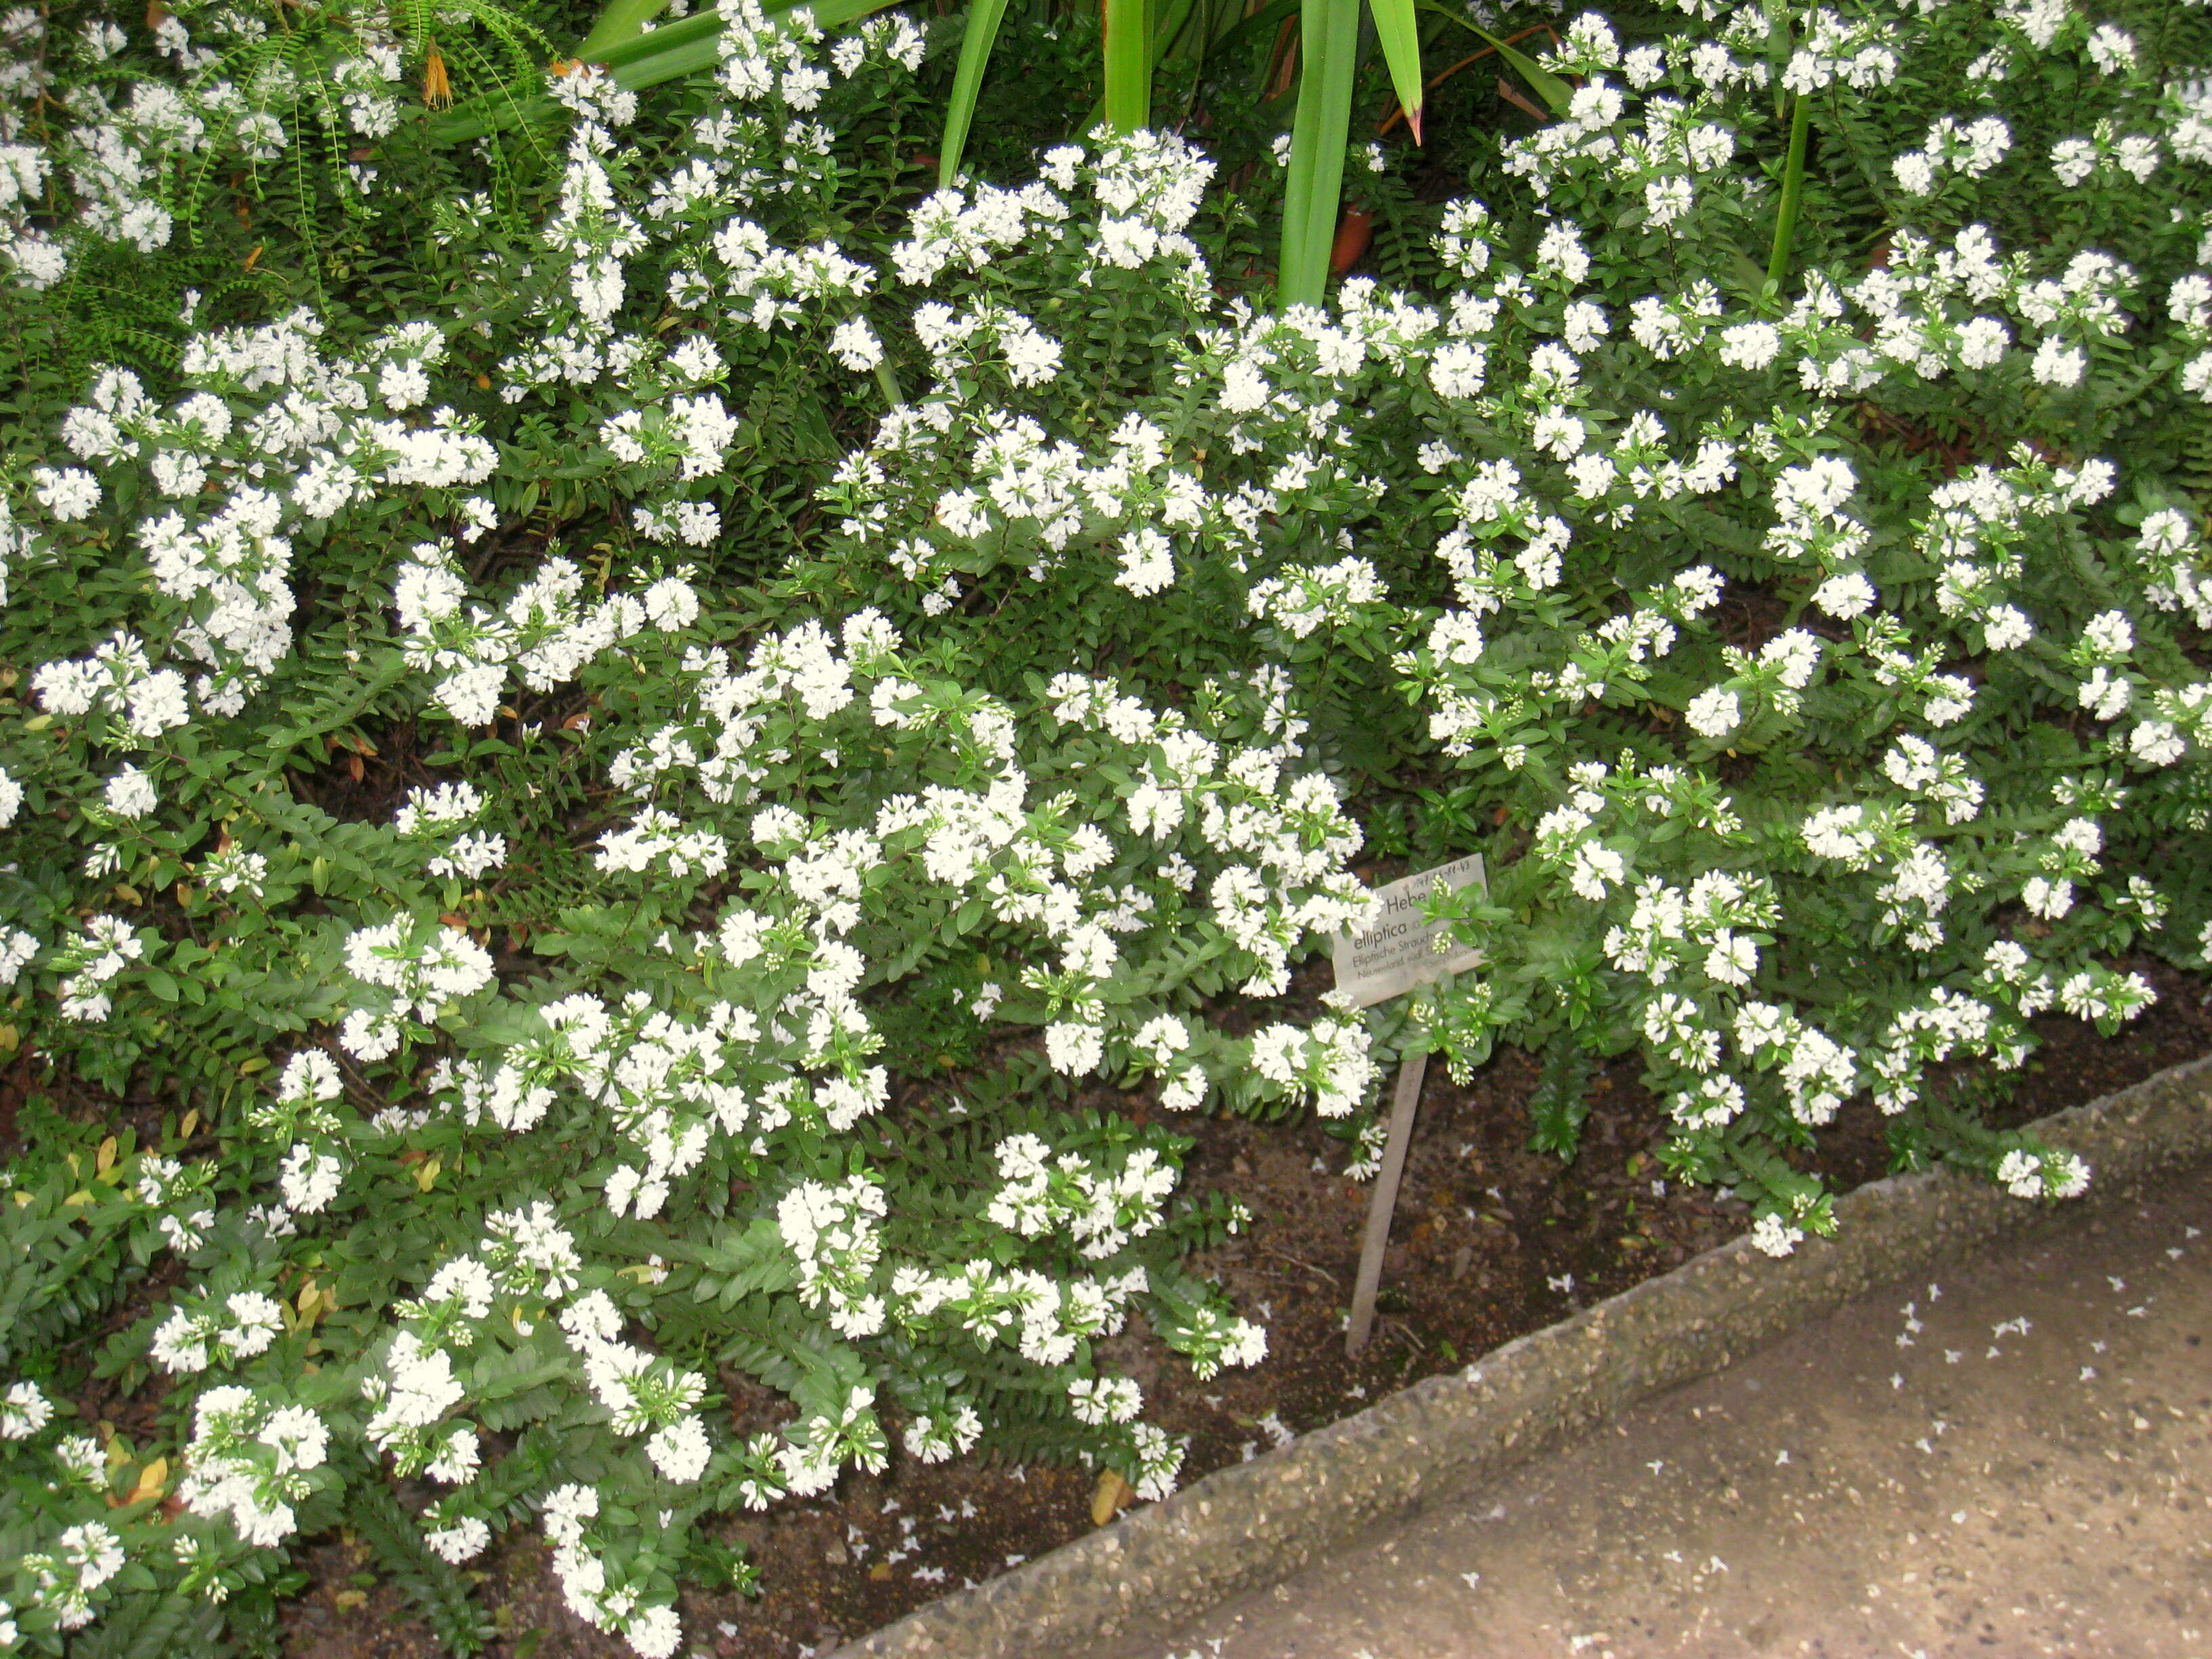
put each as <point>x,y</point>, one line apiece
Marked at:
<point>1384,1200</point>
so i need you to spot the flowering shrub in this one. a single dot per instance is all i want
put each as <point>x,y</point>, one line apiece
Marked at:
<point>640,822</point>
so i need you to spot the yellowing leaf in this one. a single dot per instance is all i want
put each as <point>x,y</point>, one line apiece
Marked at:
<point>104,1159</point>
<point>257,1063</point>
<point>151,1480</point>
<point>10,1038</point>
<point>426,1173</point>
<point>1113,1493</point>
<point>82,1195</point>
<point>348,1600</point>
<point>127,893</point>
<point>192,1122</point>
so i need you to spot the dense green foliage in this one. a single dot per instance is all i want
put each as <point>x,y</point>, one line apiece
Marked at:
<point>643,754</point>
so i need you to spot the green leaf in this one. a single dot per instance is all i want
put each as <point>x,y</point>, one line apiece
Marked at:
<point>1328,44</point>
<point>1793,185</point>
<point>975,41</point>
<point>623,21</point>
<point>1398,32</point>
<point>668,53</point>
<point>1129,51</point>
<point>1555,93</point>
<point>1261,23</point>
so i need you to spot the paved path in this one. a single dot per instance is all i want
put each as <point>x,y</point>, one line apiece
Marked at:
<point>2014,1460</point>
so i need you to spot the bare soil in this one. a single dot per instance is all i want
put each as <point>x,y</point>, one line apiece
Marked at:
<point>1491,1241</point>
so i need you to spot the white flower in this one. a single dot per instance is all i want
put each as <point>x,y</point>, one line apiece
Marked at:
<point>1774,1236</point>
<point>1714,713</point>
<point>671,603</point>
<point>1750,345</point>
<point>2057,363</point>
<point>1075,1048</point>
<point>1457,369</point>
<point>1561,250</point>
<point>462,1541</point>
<point>2006,628</point>
<point>129,794</point>
<point>654,1632</point>
<point>69,493</point>
<point>1667,199</point>
<point>681,1451</point>
<point>2157,743</point>
<point>403,385</point>
<point>16,950</point>
<point>854,344</point>
<point>24,1412</point>
<point>1733,959</point>
<point>1845,596</point>
<point>2111,48</point>
<point>1147,564</point>
<point>310,1179</point>
<point>1916,173</point>
<point>1982,342</point>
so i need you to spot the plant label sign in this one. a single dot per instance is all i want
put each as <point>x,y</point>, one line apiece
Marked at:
<point>1397,948</point>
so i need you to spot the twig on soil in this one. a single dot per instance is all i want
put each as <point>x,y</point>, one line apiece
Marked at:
<point>1285,1256</point>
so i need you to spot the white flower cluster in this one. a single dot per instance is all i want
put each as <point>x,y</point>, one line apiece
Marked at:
<point>85,1558</point>
<point>1099,1210</point>
<point>455,809</point>
<point>300,1114</point>
<point>24,1410</point>
<point>1969,149</point>
<point>2047,1174</point>
<point>546,630</point>
<point>422,968</point>
<point>605,1601</point>
<point>414,1389</point>
<point>642,1394</point>
<point>834,1234</point>
<point>252,1460</point>
<point>271,436</point>
<point>735,160</point>
<point>91,962</point>
<point>243,1324</point>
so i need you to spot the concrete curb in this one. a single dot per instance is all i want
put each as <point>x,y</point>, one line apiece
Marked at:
<point>1253,1524</point>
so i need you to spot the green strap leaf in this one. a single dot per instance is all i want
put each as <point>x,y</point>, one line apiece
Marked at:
<point>1556,93</point>
<point>667,53</point>
<point>623,21</point>
<point>1129,51</point>
<point>1262,22</point>
<point>1328,44</point>
<point>619,54</point>
<point>1172,24</point>
<point>1399,34</point>
<point>1793,185</point>
<point>982,31</point>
